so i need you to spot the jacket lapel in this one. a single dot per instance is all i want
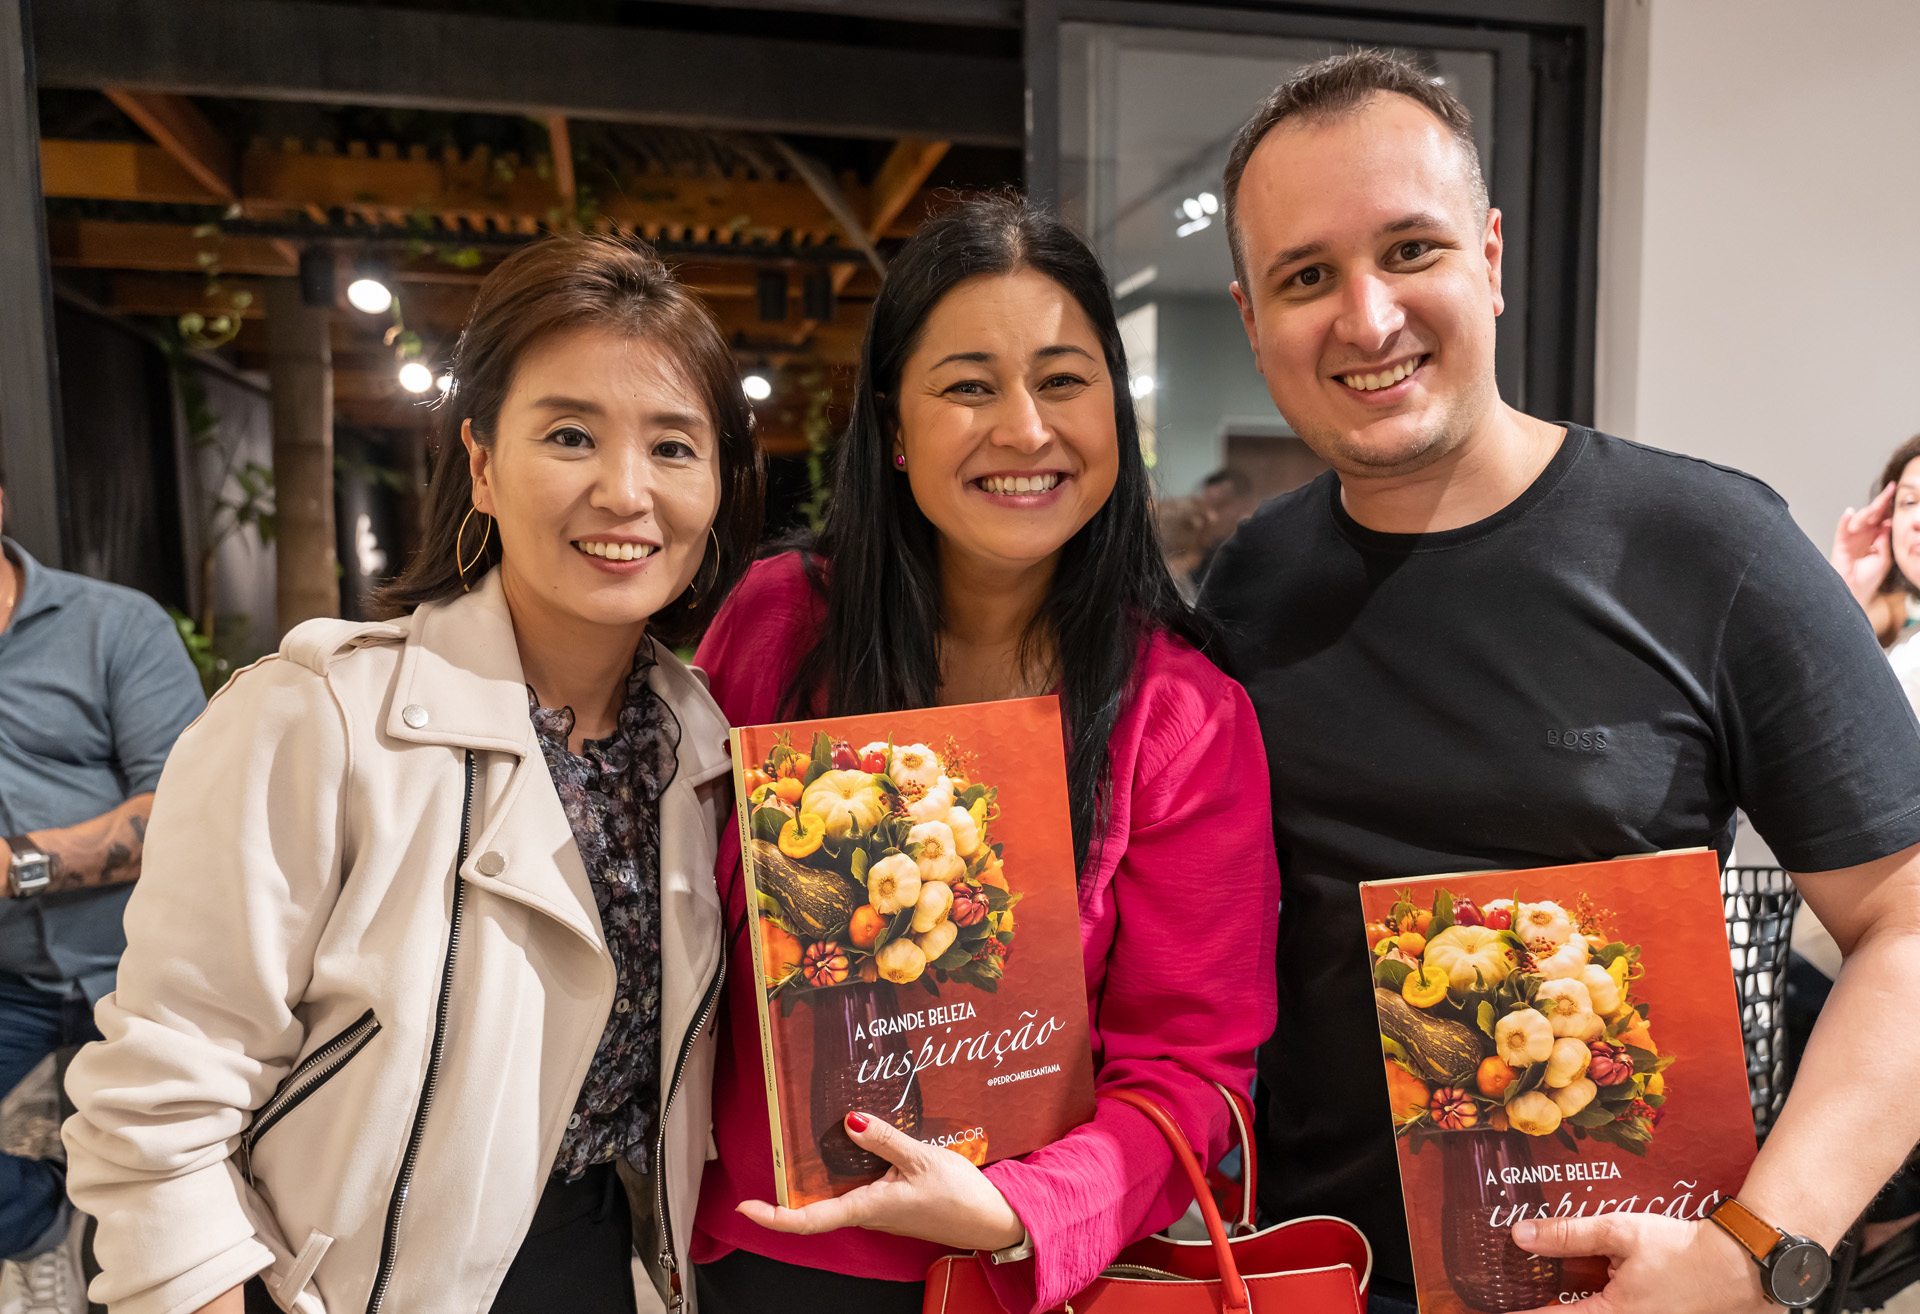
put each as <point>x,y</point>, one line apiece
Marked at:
<point>460,684</point>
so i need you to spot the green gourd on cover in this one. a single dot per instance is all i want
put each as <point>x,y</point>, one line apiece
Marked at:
<point>816,903</point>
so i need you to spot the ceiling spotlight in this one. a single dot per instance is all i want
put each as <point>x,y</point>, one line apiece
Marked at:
<point>757,387</point>
<point>415,377</point>
<point>369,295</point>
<point>1195,213</point>
<point>444,382</point>
<point>1141,386</point>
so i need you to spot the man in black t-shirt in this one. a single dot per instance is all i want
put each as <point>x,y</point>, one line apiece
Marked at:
<point>1485,641</point>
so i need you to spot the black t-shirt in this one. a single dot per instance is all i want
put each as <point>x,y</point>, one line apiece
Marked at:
<point>1637,645</point>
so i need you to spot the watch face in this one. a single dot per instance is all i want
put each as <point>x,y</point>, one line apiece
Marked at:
<point>1798,1273</point>
<point>31,874</point>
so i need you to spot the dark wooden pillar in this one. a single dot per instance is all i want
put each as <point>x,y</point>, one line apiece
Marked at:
<point>30,447</point>
<point>300,370</point>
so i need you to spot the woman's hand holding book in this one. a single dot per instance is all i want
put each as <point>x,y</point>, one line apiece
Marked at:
<point>930,1192</point>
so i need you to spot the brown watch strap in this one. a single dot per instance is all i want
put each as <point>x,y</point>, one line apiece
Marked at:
<point>1748,1228</point>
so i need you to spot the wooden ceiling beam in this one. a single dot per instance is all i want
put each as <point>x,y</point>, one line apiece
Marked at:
<point>179,128</point>
<point>560,142</point>
<point>383,186</point>
<point>177,248</point>
<point>902,175</point>
<point>118,171</point>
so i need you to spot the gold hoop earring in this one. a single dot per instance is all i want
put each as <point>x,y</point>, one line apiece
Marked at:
<point>459,534</point>
<point>698,593</point>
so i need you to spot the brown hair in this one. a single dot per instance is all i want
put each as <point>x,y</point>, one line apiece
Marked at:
<point>1333,88</point>
<point>1903,456</point>
<point>552,286</point>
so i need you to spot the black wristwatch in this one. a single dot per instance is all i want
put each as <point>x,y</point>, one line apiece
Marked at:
<point>31,871</point>
<point>1793,1270</point>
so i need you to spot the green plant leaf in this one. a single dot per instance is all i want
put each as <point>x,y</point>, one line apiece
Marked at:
<point>953,959</point>
<point>1529,1079</point>
<point>767,823</point>
<point>1442,914</point>
<point>1391,973</point>
<point>1484,1016</point>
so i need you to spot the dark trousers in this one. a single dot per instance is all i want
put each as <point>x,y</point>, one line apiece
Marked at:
<point>577,1255</point>
<point>33,1024</point>
<point>745,1283</point>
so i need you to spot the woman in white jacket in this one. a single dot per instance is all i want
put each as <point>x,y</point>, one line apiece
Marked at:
<point>414,1014</point>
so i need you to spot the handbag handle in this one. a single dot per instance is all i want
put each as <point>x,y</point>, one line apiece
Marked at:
<point>1233,1289</point>
<point>1240,1108</point>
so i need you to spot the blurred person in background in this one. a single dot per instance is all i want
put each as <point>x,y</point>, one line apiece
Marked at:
<point>1877,552</point>
<point>1227,495</point>
<point>95,686</point>
<point>1185,526</point>
<point>1876,549</point>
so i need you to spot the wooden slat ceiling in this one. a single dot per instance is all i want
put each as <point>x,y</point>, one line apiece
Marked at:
<point>412,208</point>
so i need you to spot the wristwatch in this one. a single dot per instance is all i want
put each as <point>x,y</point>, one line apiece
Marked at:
<point>1793,1270</point>
<point>31,870</point>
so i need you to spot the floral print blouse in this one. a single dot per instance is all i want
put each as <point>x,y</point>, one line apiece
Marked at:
<point>611,793</point>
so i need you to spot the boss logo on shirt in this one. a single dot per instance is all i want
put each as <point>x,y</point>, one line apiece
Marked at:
<point>1581,741</point>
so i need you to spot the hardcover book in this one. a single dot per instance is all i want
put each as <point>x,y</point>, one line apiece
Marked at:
<point>1559,1043</point>
<point>916,935</point>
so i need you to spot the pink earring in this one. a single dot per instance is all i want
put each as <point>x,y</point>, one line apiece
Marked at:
<point>899,461</point>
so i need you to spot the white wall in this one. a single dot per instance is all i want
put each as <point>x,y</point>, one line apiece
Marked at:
<point>1760,238</point>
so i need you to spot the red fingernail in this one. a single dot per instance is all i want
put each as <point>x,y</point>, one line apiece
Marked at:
<point>856,1122</point>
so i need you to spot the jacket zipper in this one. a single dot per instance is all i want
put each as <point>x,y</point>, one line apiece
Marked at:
<point>668,1261</point>
<point>397,1205</point>
<point>313,1072</point>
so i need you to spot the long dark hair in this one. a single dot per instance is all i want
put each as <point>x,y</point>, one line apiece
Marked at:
<point>879,648</point>
<point>552,286</point>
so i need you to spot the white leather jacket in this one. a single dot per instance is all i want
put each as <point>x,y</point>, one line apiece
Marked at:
<point>364,980</point>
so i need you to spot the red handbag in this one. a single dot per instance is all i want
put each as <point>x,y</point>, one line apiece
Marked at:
<point>1306,1266</point>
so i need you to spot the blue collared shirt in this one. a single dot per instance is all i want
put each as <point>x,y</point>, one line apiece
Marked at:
<point>95,686</point>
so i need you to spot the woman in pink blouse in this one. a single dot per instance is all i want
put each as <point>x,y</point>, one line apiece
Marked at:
<point>991,536</point>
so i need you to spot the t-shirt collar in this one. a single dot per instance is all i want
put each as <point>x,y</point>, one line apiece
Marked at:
<point>1374,540</point>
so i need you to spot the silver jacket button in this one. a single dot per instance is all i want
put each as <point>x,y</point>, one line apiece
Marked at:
<point>622,1005</point>
<point>414,715</point>
<point>491,863</point>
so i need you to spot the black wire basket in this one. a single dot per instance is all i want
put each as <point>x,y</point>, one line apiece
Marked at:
<point>1760,903</point>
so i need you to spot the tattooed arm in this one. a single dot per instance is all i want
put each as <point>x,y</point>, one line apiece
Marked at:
<point>103,851</point>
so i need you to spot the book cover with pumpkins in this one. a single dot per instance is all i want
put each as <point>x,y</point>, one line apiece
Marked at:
<point>1559,1043</point>
<point>916,934</point>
